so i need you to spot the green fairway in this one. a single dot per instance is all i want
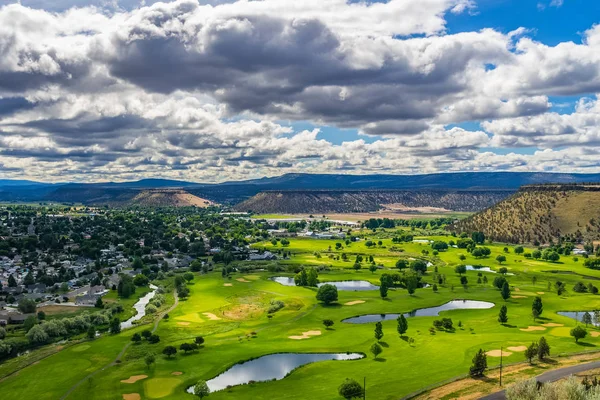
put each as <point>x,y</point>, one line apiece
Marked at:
<point>231,314</point>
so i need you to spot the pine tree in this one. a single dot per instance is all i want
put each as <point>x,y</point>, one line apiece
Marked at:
<point>531,351</point>
<point>402,324</point>
<point>586,319</point>
<point>505,292</point>
<point>378,331</point>
<point>543,349</point>
<point>537,307</point>
<point>503,316</point>
<point>479,364</point>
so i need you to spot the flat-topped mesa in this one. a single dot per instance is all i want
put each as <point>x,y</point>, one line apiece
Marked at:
<point>584,187</point>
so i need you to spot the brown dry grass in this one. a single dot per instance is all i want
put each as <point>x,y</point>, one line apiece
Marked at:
<point>243,311</point>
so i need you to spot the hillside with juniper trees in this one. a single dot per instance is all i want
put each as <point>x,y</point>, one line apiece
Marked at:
<point>541,214</point>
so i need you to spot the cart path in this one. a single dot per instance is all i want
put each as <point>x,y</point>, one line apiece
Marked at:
<point>122,352</point>
<point>551,376</point>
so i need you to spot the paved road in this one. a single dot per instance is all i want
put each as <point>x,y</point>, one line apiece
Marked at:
<point>551,376</point>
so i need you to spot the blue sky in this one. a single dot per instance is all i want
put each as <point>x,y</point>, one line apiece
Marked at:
<point>120,89</point>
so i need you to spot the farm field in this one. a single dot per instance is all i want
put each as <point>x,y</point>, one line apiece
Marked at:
<point>231,314</point>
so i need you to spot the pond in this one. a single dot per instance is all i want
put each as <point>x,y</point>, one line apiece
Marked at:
<point>273,366</point>
<point>140,307</point>
<point>341,285</point>
<point>423,312</point>
<point>484,269</point>
<point>578,315</point>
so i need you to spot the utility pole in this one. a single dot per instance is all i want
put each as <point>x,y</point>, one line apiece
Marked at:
<point>500,365</point>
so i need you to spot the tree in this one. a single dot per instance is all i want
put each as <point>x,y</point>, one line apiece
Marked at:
<point>419,266</point>
<point>201,389</point>
<point>537,307</point>
<point>460,269</point>
<point>141,280</point>
<point>169,351</point>
<point>383,291</point>
<point>401,264</point>
<point>499,281</point>
<point>37,335</point>
<point>439,245</point>
<point>519,250</point>
<point>500,258</point>
<point>372,268</point>
<point>503,316</point>
<point>434,288</point>
<point>188,276</point>
<point>328,323</point>
<point>578,333</point>
<point>543,349</point>
<point>376,350</point>
<point>312,278</point>
<point>12,282</point>
<point>531,351</point>
<point>99,303</point>
<point>91,332</point>
<point>402,325</point>
<point>27,306</point>
<point>301,278</point>
<point>185,347</point>
<point>479,364</point>
<point>378,331</point>
<point>350,389</point>
<point>149,359</point>
<point>153,339</point>
<point>586,319</point>
<point>146,333</point>
<point>503,270</point>
<point>462,257</point>
<point>327,294</point>
<point>41,316</point>
<point>126,287</point>
<point>411,285</point>
<point>115,326</point>
<point>505,291</point>
<point>136,338</point>
<point>199,340</point>
<point>536,254</point>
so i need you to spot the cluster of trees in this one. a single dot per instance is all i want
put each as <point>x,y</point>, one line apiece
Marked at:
<point>444,324</point>
<point>374,223</point>
<point>540,349</point>
<point>147,335</point>
<point>304,278</point>
<point>327,294</point>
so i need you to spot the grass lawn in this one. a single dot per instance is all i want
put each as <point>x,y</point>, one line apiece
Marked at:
<point>232,316</point>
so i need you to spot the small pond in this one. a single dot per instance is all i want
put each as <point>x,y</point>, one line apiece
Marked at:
<point>273,366</point>
<point>140,307</point>
<point>341,285</point>
<point>423,312</point>
<point>577,315</point>
<point>484,269</point>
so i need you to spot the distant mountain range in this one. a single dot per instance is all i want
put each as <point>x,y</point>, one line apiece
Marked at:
<point>233,192</point>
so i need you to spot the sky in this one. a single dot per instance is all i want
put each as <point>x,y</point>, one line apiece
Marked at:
<point>213,90</point>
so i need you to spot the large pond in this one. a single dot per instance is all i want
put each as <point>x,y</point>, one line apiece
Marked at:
<point>140,307</point>
<point>273,366</point>
<point>578,315</point>
<point>423,312</point>
<point>341,285</point>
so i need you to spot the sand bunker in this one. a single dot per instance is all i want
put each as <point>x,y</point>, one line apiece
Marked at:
<point>211,316</point>
<point>183,323</point>
<point>498,353</point>
<point>134,378</point>
<point>242,280</point>
<point>517,348</point>
<point>533,328</point>
<point>306,335</point>
<point>353,303</point>
<point>519,297</point>
<point>594,334</point>
<point>177,373</point>
<point>552,324</point>
<point>132,396</point>
<point>541,292</point>
<point>228,284</point>
<point>517,289</point>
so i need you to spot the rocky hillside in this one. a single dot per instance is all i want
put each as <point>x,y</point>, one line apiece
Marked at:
<point>303,202</point>
<point>540,213</point>
<point>169,198</point>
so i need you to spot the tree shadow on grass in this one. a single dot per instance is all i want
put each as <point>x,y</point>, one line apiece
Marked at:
<point>384,344</point>
<point>509,326</point>
<point>586,344</point>
<point>380,359</point>
<point>332,305</point>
